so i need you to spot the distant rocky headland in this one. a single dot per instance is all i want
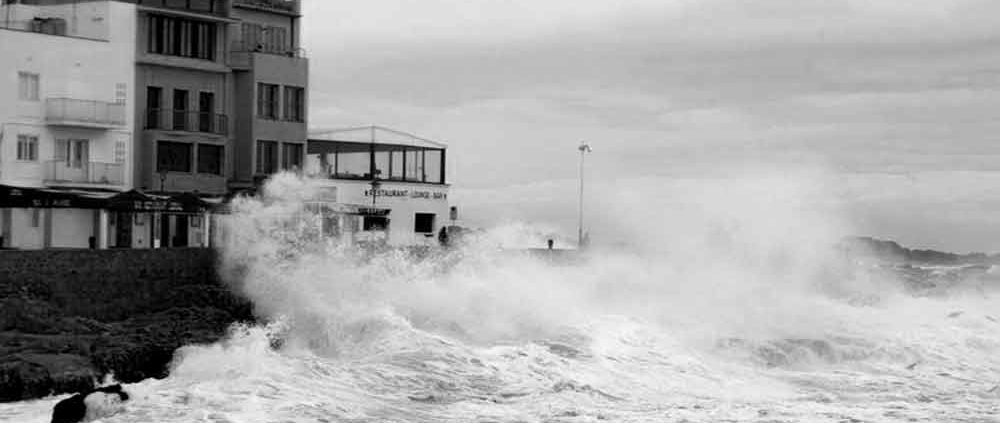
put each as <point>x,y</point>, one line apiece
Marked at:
<point>891,251</point>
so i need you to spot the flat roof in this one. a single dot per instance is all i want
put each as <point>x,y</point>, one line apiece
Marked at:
<point>374,134</point>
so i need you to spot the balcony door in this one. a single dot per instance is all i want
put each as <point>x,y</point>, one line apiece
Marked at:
<point>72,160</point>
<point>206,112</point>
<point>154,106</point>
<point>180,109</point>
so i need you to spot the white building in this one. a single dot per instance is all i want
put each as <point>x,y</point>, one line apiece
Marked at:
<point>65,112</point>
<point>385,185</point>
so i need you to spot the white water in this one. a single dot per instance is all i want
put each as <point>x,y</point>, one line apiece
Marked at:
<point>734,309</point>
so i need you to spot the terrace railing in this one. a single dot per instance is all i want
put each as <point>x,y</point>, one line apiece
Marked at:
<point>186,120</point>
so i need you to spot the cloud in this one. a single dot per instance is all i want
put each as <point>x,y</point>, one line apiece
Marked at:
<point>674,88</point>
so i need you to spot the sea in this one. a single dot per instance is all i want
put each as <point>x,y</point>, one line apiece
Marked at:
<point>745,319</point>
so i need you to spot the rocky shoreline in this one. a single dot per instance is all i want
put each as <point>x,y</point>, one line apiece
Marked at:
<point>69,318</point>
<point>44,351</point>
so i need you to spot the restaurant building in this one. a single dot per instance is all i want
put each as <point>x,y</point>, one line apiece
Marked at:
<point>382,185</point>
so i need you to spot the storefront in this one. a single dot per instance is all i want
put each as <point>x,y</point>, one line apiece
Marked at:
<point>34,218</point>
<point>140,220</point>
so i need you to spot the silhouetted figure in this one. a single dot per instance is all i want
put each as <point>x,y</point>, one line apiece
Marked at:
<point>443,236</point>
<point>551,244</point>
<point>74,408</point>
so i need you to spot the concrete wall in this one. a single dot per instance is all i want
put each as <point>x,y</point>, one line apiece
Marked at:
<point>20,231</point>
<point>72,228</point>
<point>105,284</point>
<point>403,207</point>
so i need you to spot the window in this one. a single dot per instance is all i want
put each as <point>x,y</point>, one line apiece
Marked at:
<point>173,156</point>
<point>36,217</point>
<point>27,148</point>
<point>295,104</point>
<point>206,112</point>
<point>210,159</point>
<point>28,86</point>
<point>267,157</point>
<point>181,37</point>
<point>434,166</point>
<point>154,105</point>
<point>375,223</point>
<point>267,100</point>
<point>121,91</point>
<point>121,152</point>
<point>423,223</point>
<point>180,109</point>
<point>291,156</point>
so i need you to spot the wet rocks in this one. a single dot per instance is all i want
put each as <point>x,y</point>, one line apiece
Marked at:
<point>44,351</point>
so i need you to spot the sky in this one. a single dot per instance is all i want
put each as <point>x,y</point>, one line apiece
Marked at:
<point>896,102</point>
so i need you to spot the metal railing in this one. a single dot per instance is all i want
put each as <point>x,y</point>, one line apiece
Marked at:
<point>283,5</point>
<point>71,110</point>
<point>250,46</point>
<point>202,6</point>
<point>84,172</point>
<point>186,120</point>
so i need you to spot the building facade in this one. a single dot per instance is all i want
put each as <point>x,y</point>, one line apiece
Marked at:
<point>67,83</point>
<point>171,97</point>
<point>271,77</point>
<point>382,185</point>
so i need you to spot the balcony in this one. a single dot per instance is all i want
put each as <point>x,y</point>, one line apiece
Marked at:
<point>282,6</point>
<point>84,113</point>
<point>250,46</point>
<point>188,121</point>
<point>68,171</point>
<point>212,7</point>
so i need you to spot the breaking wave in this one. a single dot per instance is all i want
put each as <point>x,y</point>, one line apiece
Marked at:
<point>733,305</point>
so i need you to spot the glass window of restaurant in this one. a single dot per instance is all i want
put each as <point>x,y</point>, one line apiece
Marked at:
<point>355,164</point>
<point>433,166</point>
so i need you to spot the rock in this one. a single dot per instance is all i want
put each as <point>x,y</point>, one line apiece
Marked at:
<point>77,407</point>
<point>26,376</point>
<point>44,351</point>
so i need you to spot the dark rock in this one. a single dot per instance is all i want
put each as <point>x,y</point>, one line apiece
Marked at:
<point>74,408</point>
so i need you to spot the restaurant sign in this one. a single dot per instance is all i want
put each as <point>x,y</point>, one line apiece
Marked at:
<point>429,195</point>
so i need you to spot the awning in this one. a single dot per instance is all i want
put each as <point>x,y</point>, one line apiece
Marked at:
<point>139,202</point>
<point>20,197</point>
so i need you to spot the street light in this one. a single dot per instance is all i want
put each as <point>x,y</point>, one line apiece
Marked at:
<point>375,186</point>
<point>584,149</point>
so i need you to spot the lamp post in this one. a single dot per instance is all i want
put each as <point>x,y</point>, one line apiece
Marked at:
<point>584,149</point>
<point>163,178</point>
<point>375,186</point>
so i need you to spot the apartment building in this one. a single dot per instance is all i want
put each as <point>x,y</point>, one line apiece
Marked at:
<point>172,97</point>
<point>67,81</point>
<point>184,92</point>
<point>271,76</point>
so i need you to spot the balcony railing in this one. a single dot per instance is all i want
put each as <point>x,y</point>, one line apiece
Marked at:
<point>84,172</point>
<point>90,113</point>
<point>282,5</point>
<point>249,46</point>
<point>186,120</point>
<point>214,7</point>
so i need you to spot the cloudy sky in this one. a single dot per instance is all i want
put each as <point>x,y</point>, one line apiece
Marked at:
<point>898,100</point>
